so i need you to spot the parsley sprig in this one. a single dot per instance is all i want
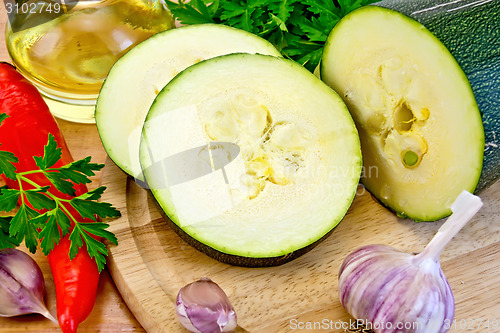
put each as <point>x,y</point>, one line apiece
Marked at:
<point>298,28</point>
<point>47,217</point>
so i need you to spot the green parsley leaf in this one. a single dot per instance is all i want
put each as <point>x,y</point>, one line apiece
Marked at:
<point>21,228</point>
<point>232,10</point>
<point>50,235</point>
<point>311,59</point>
<point>213,6</point>
<point>83,166</point>
<point>296,28</point>
<point>282,8</point>
<point>202,7</point>
<point>6,166</point>
<point>3,116</point>
<point>60,183</point>
<point>238,15</point>
<point>38,199</point>
<point>99,229</point>
<point>304,52</point>
<point>95,248</point>
<point>315,30</point>
<point>57,226</point>
<point>348,6</point>
<point>55,222</point>
<point>77,172</point>
<point>8,199</point>
<point>74,176</point>
<point>76,242</point>
<point>277,22</point>
<point>63,221</point>
<point>91,209</point>
<point>7,158</point>
<point>51,154</point>
<point>6,241</point>
<point>194,12</point>
<point>318,7</point>
<point>94,194</point>
<point>40,220</point>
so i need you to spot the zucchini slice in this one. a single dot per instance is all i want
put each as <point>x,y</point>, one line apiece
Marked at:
<point>289,183</point>
<point>136,79</point>
<point>420,127</point>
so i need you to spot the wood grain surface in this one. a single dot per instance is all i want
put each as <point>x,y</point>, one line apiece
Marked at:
<point>151,263</point>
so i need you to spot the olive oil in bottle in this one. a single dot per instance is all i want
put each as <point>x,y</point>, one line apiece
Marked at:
<point>69,56</point>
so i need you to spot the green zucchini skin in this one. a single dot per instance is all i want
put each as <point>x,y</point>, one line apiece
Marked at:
<point>470,29</point>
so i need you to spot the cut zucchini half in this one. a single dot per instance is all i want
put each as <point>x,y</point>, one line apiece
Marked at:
<point>136,79</point>
<point>287,185</point>
<point>420,128</point>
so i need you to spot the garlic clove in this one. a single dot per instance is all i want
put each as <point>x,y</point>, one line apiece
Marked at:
<point>203,307</point>
<point>22,285</point>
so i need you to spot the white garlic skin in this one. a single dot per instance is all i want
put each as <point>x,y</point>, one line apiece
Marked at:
<point>386,288</point>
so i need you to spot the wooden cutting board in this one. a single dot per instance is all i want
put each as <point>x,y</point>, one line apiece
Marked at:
<point>151,263</point>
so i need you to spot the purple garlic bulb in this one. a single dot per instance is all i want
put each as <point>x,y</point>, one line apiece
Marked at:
<point>396,292</point>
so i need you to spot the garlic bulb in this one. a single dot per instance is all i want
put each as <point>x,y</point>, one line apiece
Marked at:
<point>203,307</point>
<point>392,291</point>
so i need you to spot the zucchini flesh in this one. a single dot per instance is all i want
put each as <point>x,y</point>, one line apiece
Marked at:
<point>421,131</point>
<point>470,29</point>
<point>293,179</point>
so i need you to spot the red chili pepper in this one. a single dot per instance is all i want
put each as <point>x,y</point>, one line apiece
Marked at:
<point>25,133</point>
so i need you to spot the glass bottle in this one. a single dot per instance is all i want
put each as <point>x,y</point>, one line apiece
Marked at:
<point>66,48</point>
